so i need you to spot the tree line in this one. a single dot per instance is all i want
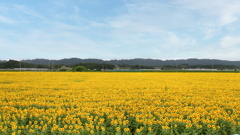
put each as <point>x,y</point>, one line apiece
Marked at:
<point>104,66</point>
<point>11,64</point>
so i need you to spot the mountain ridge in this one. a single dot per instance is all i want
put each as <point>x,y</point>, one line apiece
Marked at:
<point>135,61</point>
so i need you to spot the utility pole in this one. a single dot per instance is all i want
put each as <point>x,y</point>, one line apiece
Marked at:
<point>20,66</point>
<point>176,67</point>
<point>49,65</point>
<point>52,66</point>
<point>212,67</point>
<point>138,66</point>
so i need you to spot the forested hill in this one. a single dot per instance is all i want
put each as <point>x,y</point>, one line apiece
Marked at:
<point>16,64</point>
<point>2,61</point>
<point>137,61</point>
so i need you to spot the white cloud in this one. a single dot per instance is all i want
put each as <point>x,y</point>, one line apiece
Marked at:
<point>230,41</point>
<point>140,28</point>
<point>56,42</point>
<point>7,20</point>
<point>229,53</point>
<point>224,11</point>
<point>140,19</point>
<point>66,27</point>
<point>174,40</point>
<point>4,9</point>
<point>28,11</point>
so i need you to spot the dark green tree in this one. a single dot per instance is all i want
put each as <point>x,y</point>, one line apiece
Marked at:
<point>79,68</point>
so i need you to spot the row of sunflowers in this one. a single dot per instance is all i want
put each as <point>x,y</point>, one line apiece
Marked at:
<point>106,103</point>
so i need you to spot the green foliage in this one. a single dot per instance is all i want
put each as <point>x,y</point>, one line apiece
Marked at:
<point>141,67</point>
<point>79,68</point>
<point>64,70</point>
<point>95,66</point>
<point>210,66</point>
<point>16,64</point>
<point>126,66</point>
<point>180,67</point>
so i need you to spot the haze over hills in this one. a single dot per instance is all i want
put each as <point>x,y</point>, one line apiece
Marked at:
<point>136,61</point>
<point>1,61</point>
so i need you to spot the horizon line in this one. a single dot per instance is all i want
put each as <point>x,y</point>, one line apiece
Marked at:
<point>119,59</point>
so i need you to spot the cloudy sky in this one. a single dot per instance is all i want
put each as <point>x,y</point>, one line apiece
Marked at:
<point>120,29</point>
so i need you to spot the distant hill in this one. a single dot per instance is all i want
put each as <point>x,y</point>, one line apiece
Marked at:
<point>2,61</point>
<point>136,61</point>
<point>14,64</point>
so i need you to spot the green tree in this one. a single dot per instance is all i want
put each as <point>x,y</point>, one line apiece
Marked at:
<point>79,68</point>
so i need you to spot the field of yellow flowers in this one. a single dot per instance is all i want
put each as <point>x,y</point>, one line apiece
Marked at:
<point>107,103</point>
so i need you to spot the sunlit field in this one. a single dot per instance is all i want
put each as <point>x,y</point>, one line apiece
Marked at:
<point>119,103</point>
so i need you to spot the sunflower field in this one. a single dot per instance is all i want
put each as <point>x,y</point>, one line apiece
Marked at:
<point>107,103</point>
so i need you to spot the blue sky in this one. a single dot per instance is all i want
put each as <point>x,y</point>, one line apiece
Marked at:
<point>120,29</point>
